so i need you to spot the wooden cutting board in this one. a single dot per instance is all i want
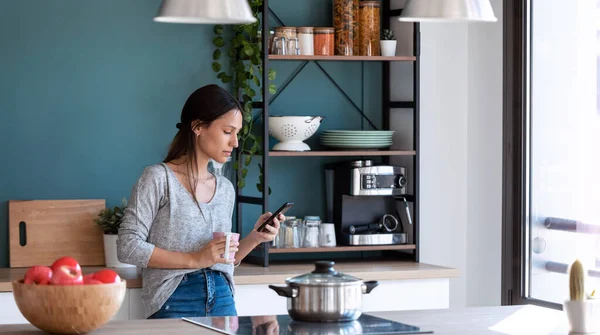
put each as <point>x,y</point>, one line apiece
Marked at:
<point>40,231</point>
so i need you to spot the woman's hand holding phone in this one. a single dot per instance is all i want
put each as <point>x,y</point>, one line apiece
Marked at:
<point>271,230</point>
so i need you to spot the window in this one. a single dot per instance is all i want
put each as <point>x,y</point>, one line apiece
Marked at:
<point>552,146</point>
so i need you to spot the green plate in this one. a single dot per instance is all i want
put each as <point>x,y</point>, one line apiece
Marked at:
<point>354,142</point>
<point>333,137</point>
<point>358,146</point>
<point>359,132</point>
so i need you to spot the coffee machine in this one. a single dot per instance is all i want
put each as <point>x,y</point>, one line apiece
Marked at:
<point>361,202</point>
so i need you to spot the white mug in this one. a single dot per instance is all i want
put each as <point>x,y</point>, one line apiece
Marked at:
<point>327,235</point>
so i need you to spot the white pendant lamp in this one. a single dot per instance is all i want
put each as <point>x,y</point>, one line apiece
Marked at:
<point>448,11</point>
<point>205,12</point>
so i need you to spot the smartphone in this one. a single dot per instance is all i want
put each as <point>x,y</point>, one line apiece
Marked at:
<point>282,210</point>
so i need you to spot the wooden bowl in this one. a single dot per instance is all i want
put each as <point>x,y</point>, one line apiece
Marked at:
<point>68,309</point>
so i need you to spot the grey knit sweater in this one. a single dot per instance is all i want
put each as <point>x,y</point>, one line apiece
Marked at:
<point>162,213</point>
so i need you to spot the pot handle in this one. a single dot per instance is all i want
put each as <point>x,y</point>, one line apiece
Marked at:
<point>284,291</point>
<point>370,285</point>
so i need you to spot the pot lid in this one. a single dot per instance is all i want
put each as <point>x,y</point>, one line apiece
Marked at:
<point>324,274</point>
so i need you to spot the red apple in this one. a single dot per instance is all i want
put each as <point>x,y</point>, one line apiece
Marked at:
<point>66,271</point>
<point>38,274</point>
<point>89,279</point>
<point>107,276</point>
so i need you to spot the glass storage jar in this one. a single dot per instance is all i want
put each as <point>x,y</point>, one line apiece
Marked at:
<point>287,32</point>
<point>306,40</point>
<point>356,26</point>
<point>290,233</point>
<point>311,232</point>
<point>324,41</point>
<point>343,22</point>
<point>370,25</point>
<point>312,220</point>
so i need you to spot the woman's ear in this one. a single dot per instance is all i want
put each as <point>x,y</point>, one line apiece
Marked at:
<point>196,127</point>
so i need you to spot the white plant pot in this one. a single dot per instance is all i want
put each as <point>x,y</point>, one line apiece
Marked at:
<point>583,315</point>
<point>388,47</point>
<point>110,253</point>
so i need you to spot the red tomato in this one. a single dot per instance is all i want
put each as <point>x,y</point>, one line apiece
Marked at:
<point>66,271</point>
<point>107,276</point>
<point>38,274</point>
<point>89,280</point>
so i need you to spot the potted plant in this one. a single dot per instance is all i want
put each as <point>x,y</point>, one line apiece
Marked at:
<point>388,43</point>
<point>583,310</point>
<point>109,219</point>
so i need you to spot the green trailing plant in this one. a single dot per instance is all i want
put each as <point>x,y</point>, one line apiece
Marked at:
<point>109,219</point>
<point>242,46</point>
<point>388,35</point>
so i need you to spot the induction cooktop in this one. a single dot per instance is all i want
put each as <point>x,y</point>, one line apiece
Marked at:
<point>284,325</point>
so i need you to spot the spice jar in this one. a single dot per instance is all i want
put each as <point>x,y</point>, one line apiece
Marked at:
<point>324,41</point>
<point>287,32</point>
<point>343,22</point>
<point>369,25</point>
<point>306,40</point>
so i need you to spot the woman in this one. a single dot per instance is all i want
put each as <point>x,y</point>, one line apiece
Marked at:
<point>175,207</point>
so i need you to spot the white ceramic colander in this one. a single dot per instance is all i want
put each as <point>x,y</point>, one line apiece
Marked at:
<point>291,131</point>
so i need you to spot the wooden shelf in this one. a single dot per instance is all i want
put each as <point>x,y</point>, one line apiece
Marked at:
<point>346,58</point>
<point>343,153</point>
<point>344,248</point>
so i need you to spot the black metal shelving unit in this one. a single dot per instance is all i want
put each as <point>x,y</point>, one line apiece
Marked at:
<point>387,106</point>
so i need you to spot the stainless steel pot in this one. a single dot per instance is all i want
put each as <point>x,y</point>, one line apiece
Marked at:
<point>324,295</point>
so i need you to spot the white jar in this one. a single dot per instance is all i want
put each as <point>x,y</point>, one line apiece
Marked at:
<point>305,40</point>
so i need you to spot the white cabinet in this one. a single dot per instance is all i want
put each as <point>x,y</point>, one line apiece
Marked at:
<point>258,300</point>
<point>123,313</point>
<point>9,312</point>
<point>401,295</point>
<point>136,309</point>
<point>390,295</point>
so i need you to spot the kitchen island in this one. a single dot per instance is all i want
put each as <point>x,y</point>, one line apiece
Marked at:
<point>528,319</point>
<point>403,286</point>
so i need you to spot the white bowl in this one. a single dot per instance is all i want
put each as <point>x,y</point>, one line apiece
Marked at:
<point>291,131</point>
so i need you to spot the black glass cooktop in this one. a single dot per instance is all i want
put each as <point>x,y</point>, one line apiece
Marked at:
<point>284,325</point>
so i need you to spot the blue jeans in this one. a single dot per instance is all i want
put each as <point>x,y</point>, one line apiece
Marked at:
<point>204,292</point>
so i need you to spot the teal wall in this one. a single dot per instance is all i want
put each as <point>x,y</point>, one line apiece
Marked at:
<point>90,92</point>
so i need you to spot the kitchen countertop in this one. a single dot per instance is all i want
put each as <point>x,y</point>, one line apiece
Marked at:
<point>247,274</point>
<point>469,321</point>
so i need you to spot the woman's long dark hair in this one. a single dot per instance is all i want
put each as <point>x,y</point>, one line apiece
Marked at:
<point>202,107</point>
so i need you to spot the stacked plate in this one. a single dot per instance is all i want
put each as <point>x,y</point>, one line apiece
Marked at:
<point>357,139</point>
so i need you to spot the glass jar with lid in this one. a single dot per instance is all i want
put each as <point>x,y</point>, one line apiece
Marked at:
<point>312,220</point>
<point>310,232</point>
<point>324,41</point>
<point>369,25</point>
<point>356,29</point>
<point>343,22</point>
<point>287,32</point>
<point>306,40</point>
